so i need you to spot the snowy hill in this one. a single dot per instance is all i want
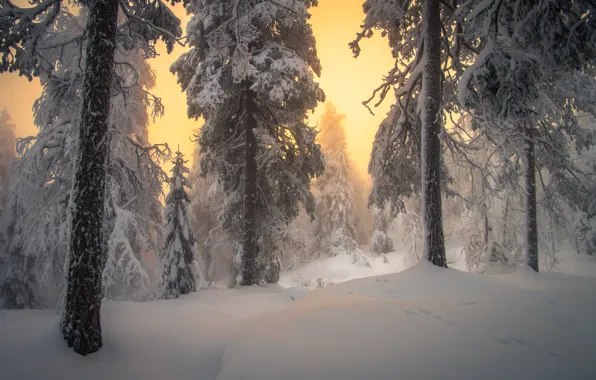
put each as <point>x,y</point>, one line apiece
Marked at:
<point>422,323</point>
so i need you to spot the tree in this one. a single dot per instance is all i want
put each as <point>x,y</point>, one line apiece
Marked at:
<point>534,73</point>
<point>179,253</point>
<point>428,51</point>
<point>381,242</point>
<point>250,74</point>
<point>43,172</point>
<point>21,30</point>
<point>216,252</point>
<point>7,155</point>
<point>336,218</point>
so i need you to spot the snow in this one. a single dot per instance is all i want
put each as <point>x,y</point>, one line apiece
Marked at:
<point>423,322</point>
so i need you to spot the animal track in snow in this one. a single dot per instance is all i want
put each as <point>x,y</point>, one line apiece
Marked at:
<point>466,303</point>
<point>526,344</point>
<point>429,313</point>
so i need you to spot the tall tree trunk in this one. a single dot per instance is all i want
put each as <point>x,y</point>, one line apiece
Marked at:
<point>484,211</point>
<point>531,222</point>
<point>434,245</point>
<point>250,249</point>
<point>81,324</point>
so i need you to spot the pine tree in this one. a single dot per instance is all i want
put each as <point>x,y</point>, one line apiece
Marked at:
<point>178,257</point>
<point>424,76</point>
<point>43,172</point>
<point>336,230</point>
<point>381,243</point>
<point>216,252</point>
<point>7,155</point>
<point>21,30</point>
<point>531,78</point>
<point>250,75</point>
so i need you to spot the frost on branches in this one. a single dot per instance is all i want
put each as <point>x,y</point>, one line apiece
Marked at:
<point>7,155</point>
<point>534,75</point>
<point>424,40</point>
<point>336,218</point>
<point>216,252</point>
<point>250,74</point>
<point>179,253</point>
<point>42,184</point>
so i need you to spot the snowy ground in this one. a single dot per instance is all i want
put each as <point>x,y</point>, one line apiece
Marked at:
<point>423,322</point>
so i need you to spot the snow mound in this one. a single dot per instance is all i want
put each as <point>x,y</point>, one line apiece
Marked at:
<point>424,323</point>
<point>341,268</point>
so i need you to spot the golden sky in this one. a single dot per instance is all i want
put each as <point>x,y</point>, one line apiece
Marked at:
<point>345,80</point>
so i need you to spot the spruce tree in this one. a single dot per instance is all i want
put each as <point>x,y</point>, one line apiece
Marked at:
<point>336,218</point>
<point>250,74</point>
<point>179,253</point>
<point>21,30</point>
<point>534,75</point>
<point>7,155</point>
<point>424,37</point>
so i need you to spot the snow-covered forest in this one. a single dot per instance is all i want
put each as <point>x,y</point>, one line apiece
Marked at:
<point>267,252</point>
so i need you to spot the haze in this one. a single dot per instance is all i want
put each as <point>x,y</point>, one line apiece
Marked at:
<point>346,81</point>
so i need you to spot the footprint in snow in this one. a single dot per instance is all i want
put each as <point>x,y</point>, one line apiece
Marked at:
<point>526,344</point>
<point>466,303</point>
<point>424,311</point>
<point>410,312</point>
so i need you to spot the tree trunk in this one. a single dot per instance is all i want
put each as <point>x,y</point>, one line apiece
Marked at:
<point>531,222</point>
<point>434,245</point>
<point>250,250</point>
<point>484,210</point>
<point>81,324</point>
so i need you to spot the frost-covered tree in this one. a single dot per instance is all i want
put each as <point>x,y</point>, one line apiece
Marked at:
<point>336,218</point>
<point>381,242</point>
<point>43,173</point>
<point>179,253</point>
<point>534,73</point>
<point>428,51</point>
<point>21,30</point>
<point>216,252</point>
<point>7,154</point>
<point>250,74</point>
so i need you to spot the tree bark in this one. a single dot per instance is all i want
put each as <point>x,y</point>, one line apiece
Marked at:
<point>250,248</point>
<point>81,324</point>
<point>434,245</point>
<point>531,222</point>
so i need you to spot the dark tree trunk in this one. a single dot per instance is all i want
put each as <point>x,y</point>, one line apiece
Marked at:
<point>531,222</point>
<point>250,248</point>
<point>434,245</point>
<point>81,320</point>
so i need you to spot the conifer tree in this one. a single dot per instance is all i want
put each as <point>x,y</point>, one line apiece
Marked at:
<point>250,74</point>
<point>179,254</point>
<point>7,155</point>
<point>336,218</point>
<point>424,37</point>
<point>21,30</point>
<point>533,76</point>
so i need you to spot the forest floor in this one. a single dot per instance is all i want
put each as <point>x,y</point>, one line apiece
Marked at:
<point>421,323</point>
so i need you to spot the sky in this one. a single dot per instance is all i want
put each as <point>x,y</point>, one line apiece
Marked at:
<point>346,81</point>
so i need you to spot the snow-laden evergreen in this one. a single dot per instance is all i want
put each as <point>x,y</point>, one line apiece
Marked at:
<point>178,260</point>
<point>428,51</point>
<point>21,30</point>
<point>381,242</point>
<point>533,75</point>
<point>43,174</point>
<point>7,155</point>
<point>250,74</point>
<point>216,251</point>
<point>336,218</point>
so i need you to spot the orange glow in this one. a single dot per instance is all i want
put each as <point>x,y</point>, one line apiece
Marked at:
<point>345,80</point>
